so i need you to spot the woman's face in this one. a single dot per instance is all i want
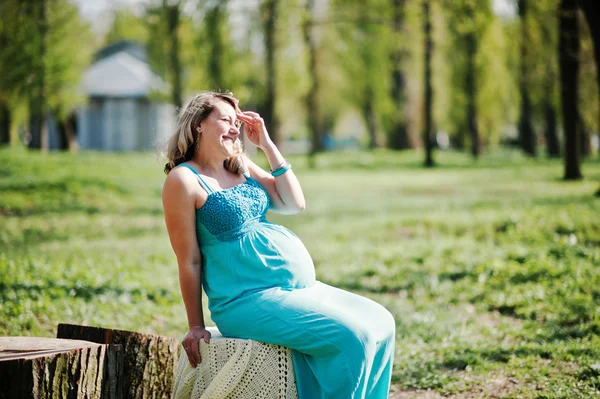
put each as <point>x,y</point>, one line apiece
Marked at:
<point>220,129</point>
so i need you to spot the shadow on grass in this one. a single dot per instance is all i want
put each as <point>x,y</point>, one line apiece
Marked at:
<point>55,290</point>
<point>568,200</point>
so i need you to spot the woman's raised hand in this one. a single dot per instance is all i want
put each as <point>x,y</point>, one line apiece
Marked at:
<point>191,344</point>
<point>255,129</point>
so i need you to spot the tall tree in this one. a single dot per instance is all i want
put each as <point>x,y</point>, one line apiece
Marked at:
<point>41,64</point>
<point>591,10</point>
<point>399,138</point>
<point>269,113</point>
<point>172,11</point>
<point>5,122</point>
<point>471,44</point>
<point>527,136</point>
<point>13,61</point>
<point>469,24</point>
<point>214,19</point>
<point>367,59</point>
<point>428,129</point>
<point>38,110</point>
<point>364,54</point>
<point>312,100</point>
<point>569,71</point>
<point>547,29</point>
<point>68,55</point>
<point>550,122</point>
<point>163,19</point>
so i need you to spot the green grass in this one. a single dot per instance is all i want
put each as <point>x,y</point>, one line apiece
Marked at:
<point>491,268</point>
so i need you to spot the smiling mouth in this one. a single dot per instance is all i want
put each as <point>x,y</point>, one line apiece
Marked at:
<point>228,138</point>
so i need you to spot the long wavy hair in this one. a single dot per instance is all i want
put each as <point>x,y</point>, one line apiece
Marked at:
<point>181,146</point>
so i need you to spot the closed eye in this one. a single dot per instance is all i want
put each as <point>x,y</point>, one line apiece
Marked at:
<point>238,123</point>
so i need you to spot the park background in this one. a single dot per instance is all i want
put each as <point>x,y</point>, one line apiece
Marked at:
<point>448,151</point>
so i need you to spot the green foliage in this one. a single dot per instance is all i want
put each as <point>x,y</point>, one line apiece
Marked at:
<point>589,102</point>
<point>494,88</point>
<point>495,101</point>
<point>69,51</point>
<point>127,26</point>
<point>13,40</point>
<point>221,61</point>
<point>492,272</point>
<point>542,57</point>
<point>68,46</point>
<point>363,56</point>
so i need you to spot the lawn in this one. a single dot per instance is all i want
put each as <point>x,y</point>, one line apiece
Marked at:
<point>491,268</point>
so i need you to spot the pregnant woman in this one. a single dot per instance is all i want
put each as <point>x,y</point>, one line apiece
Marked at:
<point>258,276</point>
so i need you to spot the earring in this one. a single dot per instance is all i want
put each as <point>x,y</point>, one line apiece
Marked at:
<point>198,138</point>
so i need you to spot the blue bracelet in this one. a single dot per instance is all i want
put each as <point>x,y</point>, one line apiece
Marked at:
<point>282,169</point>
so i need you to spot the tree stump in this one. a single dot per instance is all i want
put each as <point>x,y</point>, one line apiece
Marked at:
<point>149,360</point>
<point>44,368</point>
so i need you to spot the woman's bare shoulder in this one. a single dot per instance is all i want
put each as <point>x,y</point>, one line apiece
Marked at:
<point>181,186</point>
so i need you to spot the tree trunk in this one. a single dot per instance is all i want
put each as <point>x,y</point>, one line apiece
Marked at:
<point>552,144</point>
<point>312,106</point>
<point>550,119</point>
<point>585,138</point>
<point>149,359</point>
<point>5,122</point>
<point>399,138</point>
<point>48,368</point>
<point>471,92</point>
<point>173,18</point>
<point>71,133</point>
<point>63,144</point>
<point>214,19</point>
<point>269,111</point>
<point>38,123</point>
<point>369,117</point>
<point>591,10</point>
<point>526,133</point>
<point>66,133</point>
<point>569,71</point>
<point>427,131</point>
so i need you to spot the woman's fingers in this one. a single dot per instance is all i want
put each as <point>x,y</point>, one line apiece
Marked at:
<point>193,353</point>
<point>244,116</point>
<point>254,114</point>
<point>249,116</point>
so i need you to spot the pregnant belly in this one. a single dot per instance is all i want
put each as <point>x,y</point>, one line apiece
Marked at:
<point>273,256</point>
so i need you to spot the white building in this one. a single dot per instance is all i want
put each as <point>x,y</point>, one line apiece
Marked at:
<point>120,115</point>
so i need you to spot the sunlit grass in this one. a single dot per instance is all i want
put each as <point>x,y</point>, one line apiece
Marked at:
<point>490,268</point>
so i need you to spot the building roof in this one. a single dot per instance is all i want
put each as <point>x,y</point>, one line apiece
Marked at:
<point>136,49</point>
<point>121,75</point>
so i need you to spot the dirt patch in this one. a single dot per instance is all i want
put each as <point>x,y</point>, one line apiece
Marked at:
<point>474,387</point>
<point>491,319</point>
<point>495,387</point>
<point>409,394</point>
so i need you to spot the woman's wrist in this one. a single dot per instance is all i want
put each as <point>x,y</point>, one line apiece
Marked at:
<point>282,168</point>
<point>197,326</point>
<point>268,147</point>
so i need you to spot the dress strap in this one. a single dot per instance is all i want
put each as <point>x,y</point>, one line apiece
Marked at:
<point>202,182</point>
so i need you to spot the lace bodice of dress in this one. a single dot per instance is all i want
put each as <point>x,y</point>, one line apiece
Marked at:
<point>227,210</point>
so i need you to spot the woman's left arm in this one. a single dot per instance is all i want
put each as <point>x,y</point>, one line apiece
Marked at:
<point>284,190</point>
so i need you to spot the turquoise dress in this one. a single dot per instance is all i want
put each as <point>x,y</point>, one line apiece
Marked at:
<point>260,283</point>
